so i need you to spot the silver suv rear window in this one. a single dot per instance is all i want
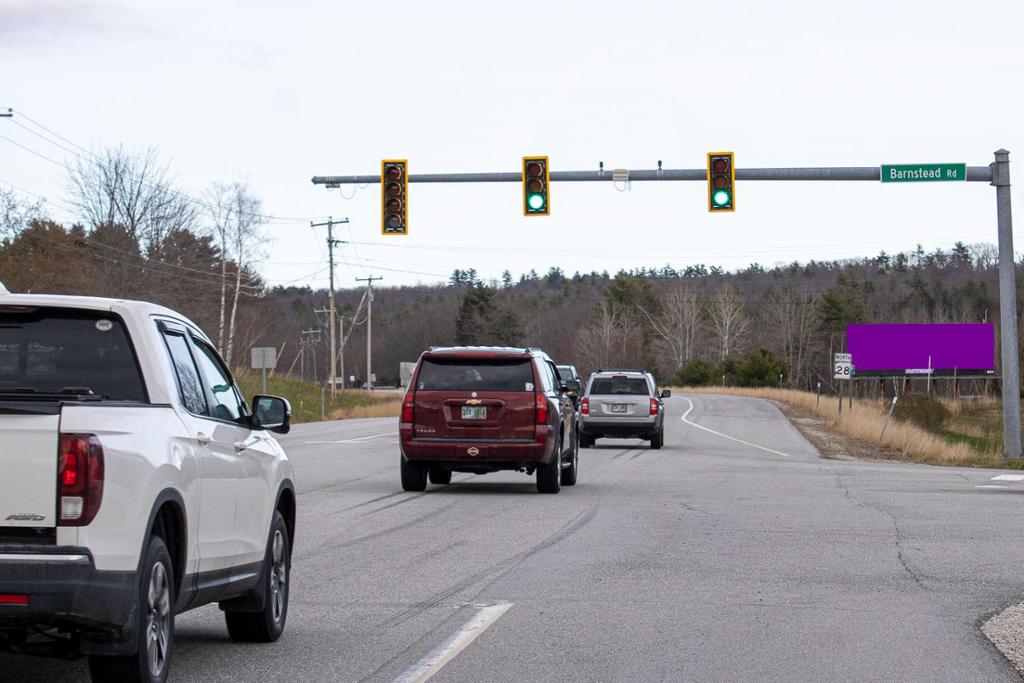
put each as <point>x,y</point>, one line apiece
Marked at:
<point>457,374</point>
<point>611,386</point>
<point>68,352</point>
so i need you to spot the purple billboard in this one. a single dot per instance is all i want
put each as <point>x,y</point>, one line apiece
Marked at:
<point>946,348</point>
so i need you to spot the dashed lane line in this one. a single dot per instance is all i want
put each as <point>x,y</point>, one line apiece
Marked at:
<point>358,439</point>
<point>726,436</point>
<point>435,660</point>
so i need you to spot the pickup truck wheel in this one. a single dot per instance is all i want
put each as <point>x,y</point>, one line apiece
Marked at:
<point>154,627</point>
<point>414,475</point>
<point>439,475</point>
<point>549,476</point>
<point>658,440</point>
<point>267,625</point>
<point>569,473</point>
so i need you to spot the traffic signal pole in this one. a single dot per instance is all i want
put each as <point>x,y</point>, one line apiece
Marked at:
<point>996,174</point>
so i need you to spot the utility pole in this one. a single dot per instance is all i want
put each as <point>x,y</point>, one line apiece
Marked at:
<point>331,242</point>
<point>1007,308</point>
<point>369,327</point>
<point>345,336</point>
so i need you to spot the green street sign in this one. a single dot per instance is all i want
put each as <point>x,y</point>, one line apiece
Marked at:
<point>923,173</point>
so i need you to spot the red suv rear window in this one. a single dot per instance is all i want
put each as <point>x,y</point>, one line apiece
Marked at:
<point>475,374</point>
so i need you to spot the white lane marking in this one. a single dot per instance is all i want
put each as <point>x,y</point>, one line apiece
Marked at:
<point>1009,477</point>
<point>726,436</point>
<point>358,439</point>
<point>459,641</point>
<point>990,486</point>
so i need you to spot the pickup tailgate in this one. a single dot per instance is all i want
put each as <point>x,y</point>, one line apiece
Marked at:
<point>29,437</point>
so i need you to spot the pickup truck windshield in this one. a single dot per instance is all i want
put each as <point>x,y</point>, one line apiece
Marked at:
<point>74,353</point>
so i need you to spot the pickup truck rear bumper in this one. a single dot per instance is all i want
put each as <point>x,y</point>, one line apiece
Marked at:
<point>61,587</point>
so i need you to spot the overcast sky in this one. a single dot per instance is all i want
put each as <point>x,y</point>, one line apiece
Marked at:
<point>276,92</point>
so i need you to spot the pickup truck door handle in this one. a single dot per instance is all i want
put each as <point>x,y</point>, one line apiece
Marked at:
<point>203,439</point>
<point>241,446</point>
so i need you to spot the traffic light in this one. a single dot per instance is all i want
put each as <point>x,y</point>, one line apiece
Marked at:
<point>721,182</point>
<point>536,185</point>
<point>394,197</point>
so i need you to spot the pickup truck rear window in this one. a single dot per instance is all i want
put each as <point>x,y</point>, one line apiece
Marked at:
<point>46,352</point>
<point>475,374</point>
<point>611,386</point>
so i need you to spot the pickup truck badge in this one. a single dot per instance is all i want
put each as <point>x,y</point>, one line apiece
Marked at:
<point>25,517</point>
<point>473,450</point>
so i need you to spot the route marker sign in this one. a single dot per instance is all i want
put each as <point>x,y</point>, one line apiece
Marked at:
<point>842,366</point>
<point>923,173</point>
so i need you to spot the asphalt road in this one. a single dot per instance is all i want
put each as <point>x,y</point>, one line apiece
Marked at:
<point>734,553</point>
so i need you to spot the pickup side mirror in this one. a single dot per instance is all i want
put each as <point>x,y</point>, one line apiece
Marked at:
<point>666,393</point>
<point>571,385</point>
<point>272,413</point>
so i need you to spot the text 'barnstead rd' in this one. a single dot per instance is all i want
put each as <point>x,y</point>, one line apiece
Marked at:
<point>923,173</point>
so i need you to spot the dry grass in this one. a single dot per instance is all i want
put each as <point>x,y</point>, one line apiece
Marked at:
<point>864,423</point>
<point>385,407</point>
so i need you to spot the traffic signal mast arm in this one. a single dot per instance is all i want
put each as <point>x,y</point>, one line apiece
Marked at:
<point>870,173</point>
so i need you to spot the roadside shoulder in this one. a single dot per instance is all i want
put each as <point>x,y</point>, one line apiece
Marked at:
<point>1006,631</point>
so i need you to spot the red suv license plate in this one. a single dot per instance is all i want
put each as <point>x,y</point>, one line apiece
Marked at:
<point>474,412</point>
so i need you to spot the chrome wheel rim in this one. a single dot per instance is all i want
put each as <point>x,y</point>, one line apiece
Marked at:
<point>158,626</point>
<point>278,576</point>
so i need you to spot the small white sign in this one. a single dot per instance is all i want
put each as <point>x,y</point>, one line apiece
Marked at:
<point>264,358</point>
<point>842,370</point>
<point>842,357</point>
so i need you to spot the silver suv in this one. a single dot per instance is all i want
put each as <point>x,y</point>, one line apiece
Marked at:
<point>622,404</point>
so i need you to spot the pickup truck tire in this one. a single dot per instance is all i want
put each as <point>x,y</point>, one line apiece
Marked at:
<point>154,625</point>
<point>439,475</point>
<point>569,473</point>
<point>414,475</point>
<point>658,440</point>
<point>267,625</point>
<point>549,476</point>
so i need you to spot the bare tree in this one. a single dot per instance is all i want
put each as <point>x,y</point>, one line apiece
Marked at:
<point>679,321</point>
<point>596,342</point>
<point>234,212</point>
<point>728,318</point>
<point>794,317</point>
<point>16,214</point>
<point>132,190</point>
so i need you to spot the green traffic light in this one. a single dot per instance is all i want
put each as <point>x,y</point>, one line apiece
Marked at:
<point>535,202</point>
<point>720,198</point>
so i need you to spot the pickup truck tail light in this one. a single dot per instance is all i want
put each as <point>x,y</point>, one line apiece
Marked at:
<point>541,413</point>
<point>585,405</point>
<point>80,479</point>
<point>654,406</point>
<point>408,408</point>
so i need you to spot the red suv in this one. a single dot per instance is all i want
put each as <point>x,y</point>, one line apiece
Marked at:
<point>484,409</point>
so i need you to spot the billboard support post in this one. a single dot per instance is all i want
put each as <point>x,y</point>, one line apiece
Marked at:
<point>1007,308</point>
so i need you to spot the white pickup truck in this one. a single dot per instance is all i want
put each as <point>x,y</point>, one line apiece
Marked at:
<point>135,483</point>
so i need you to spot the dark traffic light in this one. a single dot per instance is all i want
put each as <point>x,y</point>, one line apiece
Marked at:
<point>721,182</point>
<point>394,197</point>
<point>536,186</point>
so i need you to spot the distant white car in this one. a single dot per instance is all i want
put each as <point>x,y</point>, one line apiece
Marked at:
<point>135,483</point>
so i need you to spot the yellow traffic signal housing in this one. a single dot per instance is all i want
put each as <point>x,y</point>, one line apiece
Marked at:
<point>536,186</point>
<point>394,197</point>
<point>721,182</point>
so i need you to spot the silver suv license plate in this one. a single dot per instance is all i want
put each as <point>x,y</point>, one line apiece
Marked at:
<point>618,407</point>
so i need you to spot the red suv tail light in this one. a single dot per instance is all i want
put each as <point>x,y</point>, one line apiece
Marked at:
<point>654,406</point>
<point>585,405</point>
<point>542,410</point>
<point>408,408</point>
<point>80,478</point>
